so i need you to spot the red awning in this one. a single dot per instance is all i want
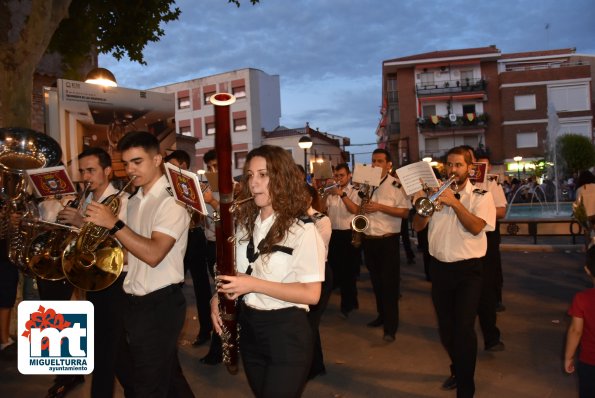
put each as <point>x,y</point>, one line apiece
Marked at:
<point>436,98</point>
<point>468,96</point>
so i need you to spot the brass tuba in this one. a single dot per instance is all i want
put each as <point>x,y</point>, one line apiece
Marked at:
<point>94,260</point>
<point>21,149</point>
<point>45,251</point>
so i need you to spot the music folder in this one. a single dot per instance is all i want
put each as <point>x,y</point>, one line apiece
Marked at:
<point>186,188</point>
<point>51,182</point>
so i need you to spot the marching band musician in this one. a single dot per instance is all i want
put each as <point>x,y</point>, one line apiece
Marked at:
<point>341,204</point>
<point>280,264</point>
<point>386,207</point>
<point>195,260</point>
<point>492,277</point>
<point>155,237</point>
<point>457,241</point>
<point>112,354</point>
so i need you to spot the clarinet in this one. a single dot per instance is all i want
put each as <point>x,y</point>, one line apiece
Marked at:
<point>224,230</point>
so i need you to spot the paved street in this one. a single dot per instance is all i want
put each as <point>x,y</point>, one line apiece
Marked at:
<point>538,289</point>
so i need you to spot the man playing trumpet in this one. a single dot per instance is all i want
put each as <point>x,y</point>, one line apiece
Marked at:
<point>457,241</point>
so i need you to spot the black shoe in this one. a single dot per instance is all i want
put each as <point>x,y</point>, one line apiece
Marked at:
<point>376,323</point>
<point>211,359</point>
<point>389,337</point>
<point>499,346</point>
<point>450,383</point>
<point>63,384</point>
<point>200,340</point>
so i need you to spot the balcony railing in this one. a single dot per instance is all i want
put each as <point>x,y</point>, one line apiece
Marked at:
<point>451,86</point>
<point>441,122</point>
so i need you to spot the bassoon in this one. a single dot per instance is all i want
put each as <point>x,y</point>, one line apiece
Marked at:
<point>224,227</point>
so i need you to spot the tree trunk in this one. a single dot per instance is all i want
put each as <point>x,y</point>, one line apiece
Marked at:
<point>26,30</point>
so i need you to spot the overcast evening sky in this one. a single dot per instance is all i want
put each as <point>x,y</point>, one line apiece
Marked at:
<point>329,53</point>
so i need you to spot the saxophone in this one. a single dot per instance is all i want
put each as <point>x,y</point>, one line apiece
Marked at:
<point>360,223</point>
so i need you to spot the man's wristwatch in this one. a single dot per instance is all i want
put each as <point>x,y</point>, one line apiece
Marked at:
<point>118,226</point>
<point>343,195</point>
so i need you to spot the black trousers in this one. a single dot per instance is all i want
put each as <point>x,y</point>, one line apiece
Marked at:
<point>384,264</point>
<point>276,348</point>
<point>490,288</point>
<point>153,323</point>
<point>424,246</point>
<point>405,235</point>
<point>112,354</point>
<point>343,260</point>
<point>314,317</point>
<point>456,288</point>
<point>195,260</point>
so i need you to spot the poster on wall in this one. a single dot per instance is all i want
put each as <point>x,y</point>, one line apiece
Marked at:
<point>89,115</point>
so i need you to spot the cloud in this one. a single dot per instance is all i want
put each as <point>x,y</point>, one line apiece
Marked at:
<point>329,53</point>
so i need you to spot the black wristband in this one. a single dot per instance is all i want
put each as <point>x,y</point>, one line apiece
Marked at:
<point>343,195</point>
<point>118,226</point>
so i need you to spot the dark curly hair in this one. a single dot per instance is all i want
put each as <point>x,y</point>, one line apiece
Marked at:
<point>286,189</point>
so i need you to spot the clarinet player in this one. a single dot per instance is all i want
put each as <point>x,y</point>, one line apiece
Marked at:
<point>280,262</point>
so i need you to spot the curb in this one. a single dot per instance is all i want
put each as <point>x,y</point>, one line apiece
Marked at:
<point>511,247</point>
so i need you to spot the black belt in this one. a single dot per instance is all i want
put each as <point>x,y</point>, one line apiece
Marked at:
<point>381,236</point>
<point>154,296</point>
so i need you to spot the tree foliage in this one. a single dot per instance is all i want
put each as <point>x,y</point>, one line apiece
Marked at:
<point>577,152</point>
<point>120,28</point>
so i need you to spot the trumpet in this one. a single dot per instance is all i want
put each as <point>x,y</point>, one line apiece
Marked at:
<point>323,190</point>
<point>427,206</point>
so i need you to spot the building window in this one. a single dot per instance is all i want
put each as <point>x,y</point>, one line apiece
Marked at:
<point>432,145</point>
<point>183,102</point>
<point>526,140</point>
<point>240,124</point>
<point>428,110</point>
<point>570,98</point>
<point>207,97</point>
<point>524,102</point>
<point>466,77</point>
<point>239,92</point>
<point>185,130</point>
<point>468,108</point>
<point>240,159</point>
<point>426,79</point>
<point>210,128</point>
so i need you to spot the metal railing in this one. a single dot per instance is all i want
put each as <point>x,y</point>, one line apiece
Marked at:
<point>451,86</point>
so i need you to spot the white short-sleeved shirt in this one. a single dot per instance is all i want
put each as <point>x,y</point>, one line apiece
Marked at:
<point>323,225</point>
<point>157,212</point>
<point>496,190</point>
<point>304,265</point>
<point>449,241</point>
<point>110,190</point>
<point>337,211</point>
<point>388,193</point>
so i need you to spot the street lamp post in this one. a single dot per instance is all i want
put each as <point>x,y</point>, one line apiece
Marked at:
<point>305,143</point>
<point>518,159</point>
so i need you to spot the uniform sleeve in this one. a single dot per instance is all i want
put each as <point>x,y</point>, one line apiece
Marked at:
<point>353,195</point>
<point>172,219</point>
<point>485,209</point>
<point>401,199</point>
<point>308,258</point>
<point>498,194</point>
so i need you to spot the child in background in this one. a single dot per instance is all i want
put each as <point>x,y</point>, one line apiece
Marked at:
<point>582,330</point>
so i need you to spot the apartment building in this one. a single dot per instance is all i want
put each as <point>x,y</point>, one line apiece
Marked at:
<point>497,103</point>
<point>257,107</point>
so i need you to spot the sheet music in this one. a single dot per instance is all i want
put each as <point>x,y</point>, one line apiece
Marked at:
<point>410,177</point>
<point>322,170</point>
<point>364,174</point>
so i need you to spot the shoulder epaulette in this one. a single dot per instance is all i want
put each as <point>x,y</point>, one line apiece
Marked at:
<point>479,191</point>
<point>318,216</point>
<point>169,190</point>
<point>396,184</point>
<point>305,219</point>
